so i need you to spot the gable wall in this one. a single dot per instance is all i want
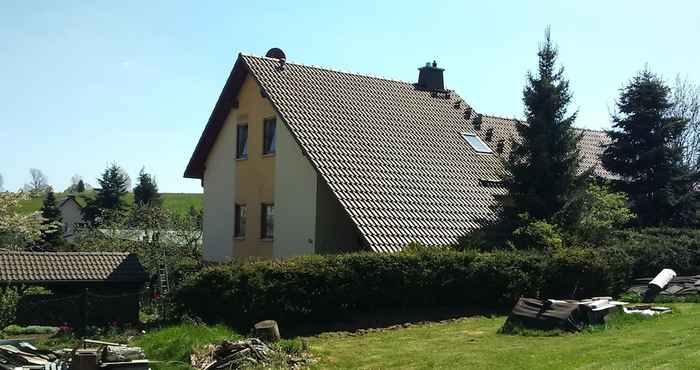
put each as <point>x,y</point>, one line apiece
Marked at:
<point>71,214</point>
<point>295,195</point>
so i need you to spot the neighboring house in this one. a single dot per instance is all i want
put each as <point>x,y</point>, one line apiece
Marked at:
<point>72,216</point>
<point>298,159</point>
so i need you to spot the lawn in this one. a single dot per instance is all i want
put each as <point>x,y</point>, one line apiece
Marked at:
<point>664,342</point>
<point>667,342</point>
<point>176,202</point>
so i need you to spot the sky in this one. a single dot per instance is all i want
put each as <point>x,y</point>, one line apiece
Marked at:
<point>87,83</point>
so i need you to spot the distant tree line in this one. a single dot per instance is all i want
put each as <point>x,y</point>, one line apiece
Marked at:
<point>104,205</point>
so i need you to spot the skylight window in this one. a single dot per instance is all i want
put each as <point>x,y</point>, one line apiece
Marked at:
<point>476,143</point>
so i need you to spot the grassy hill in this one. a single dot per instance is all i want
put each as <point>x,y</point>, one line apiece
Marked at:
<point>176,202</point>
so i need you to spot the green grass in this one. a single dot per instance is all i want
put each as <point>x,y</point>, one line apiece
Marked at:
<point>173,345</point>
<point>663,342</point>
<point>628,342</point>
<point>176,202</point>
<point>181,202</point>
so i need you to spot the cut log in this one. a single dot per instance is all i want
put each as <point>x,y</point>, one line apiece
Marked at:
<point>122,354</point>
<point>267,330</point>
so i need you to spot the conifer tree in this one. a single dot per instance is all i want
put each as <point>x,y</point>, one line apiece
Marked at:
<point>645,154</point>
<point>543,169</point>
<point>52,232</point>
<point>109,198</point>
<point>146,191</point>
<point>80,188</point>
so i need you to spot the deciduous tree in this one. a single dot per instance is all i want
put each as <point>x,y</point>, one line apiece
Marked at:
<point>17,230</point>
<point>685,103</point>
<point>38,183</point>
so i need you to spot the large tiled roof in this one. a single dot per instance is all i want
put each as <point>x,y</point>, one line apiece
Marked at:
<point>50,267</point>
<point>505,130</point>
<point>391,153</point>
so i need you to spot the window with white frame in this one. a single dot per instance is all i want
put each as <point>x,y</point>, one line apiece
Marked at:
<point>476,143</point>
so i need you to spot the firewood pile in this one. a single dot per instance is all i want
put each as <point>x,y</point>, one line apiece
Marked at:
<point>17,354</point>
<point>232,355</point>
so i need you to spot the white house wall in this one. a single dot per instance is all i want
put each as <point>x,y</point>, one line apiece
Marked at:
<point>219,180</point>
<point>295,199</point>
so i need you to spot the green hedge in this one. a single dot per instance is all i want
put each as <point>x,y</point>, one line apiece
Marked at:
<point>657,248</point>
<point>323,287</point>
<point>326,287</point>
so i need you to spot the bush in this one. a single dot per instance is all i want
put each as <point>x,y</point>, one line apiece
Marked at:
<point>654,249</point>
<point>536,234</point>
<point>31,329</point>
<point>9,299</point>
<point>598,212</point>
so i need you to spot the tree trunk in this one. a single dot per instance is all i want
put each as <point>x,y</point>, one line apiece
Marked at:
<point>267,331</point>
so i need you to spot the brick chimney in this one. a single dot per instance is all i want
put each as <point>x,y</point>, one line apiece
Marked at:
<point>430,77</point>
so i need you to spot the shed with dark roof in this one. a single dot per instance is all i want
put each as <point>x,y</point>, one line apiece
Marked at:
<point>65,268</point>
<point>100,287</point>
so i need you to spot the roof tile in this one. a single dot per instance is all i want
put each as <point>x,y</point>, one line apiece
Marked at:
<point>43,267</point>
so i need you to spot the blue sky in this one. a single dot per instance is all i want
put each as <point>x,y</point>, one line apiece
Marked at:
<point>84,84</point>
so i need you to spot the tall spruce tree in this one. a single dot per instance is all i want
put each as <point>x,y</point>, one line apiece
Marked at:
<point>80,188</point>
<point>646,155</point>
<point>109,198</point>
<point>52,232</point>
<point>146,190</point>
<point>543,169</point>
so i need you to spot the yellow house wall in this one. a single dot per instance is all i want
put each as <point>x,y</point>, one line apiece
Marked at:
<point>255,176</point>
<point>308,219</point>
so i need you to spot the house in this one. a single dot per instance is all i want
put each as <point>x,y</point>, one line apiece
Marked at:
<point>109,283</point>
<point>72,216</point>
<point>298,159</point>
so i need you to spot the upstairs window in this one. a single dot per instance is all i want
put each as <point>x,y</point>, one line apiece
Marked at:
<point>242,141</point>
<point>241,220</point>
<point>267,224</point>
<point>269,128</point>
<point>476,143</point>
